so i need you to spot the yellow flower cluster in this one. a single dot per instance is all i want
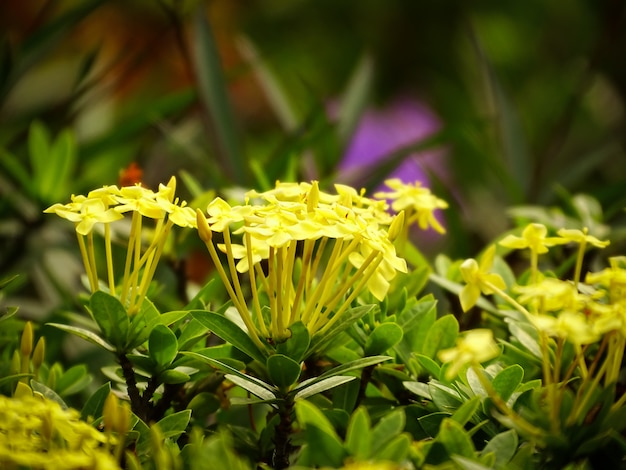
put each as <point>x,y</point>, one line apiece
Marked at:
<point>109,204</point>
<point>309,252</point>
<point>38,433</point>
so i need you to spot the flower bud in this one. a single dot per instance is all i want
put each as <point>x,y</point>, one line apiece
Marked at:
<point>203,227</point>
<point>396,226</point>
<point>26,346</point>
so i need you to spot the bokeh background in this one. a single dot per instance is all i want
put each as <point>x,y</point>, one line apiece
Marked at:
<point>509,110</point>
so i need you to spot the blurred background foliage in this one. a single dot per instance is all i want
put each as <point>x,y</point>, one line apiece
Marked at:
<point>491,103</point>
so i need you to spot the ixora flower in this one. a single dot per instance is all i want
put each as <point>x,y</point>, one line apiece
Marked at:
<point>307,253</point>
<point>478,279</point>
<point>38,433</point>
<point>109,204</point>
<point>473,347</point>
<point>417,202</point>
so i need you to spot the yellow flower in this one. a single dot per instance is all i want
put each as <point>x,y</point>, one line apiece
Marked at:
<point>85,212</point>
<point>320,252</point>
<point>472,347</point>
<point>38,433</point>
<point>534,237</point>
<point>548,295</point>
<point>478,279</point>
<point>582,237</point>
<point>569,325</point>
<point>416,201</point>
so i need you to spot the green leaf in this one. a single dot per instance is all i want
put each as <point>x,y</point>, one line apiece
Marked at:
<point>384,337</point>
<point>297,344</point>
<point>214,95</point>
<point>175,424</point>
<point>230,332</point>
<point>507,381</point>
<point>162,345</point>
<point>504,446</point>
<point>251,386</point>
<point>320,435</point>
<point>444,398</point>
<point>192,331</point>
<point>526,334</point>
<point>358,436</point>
<point>387,428</point>
<point>468,464</point>
<point>466,411</point>
<point>283,371</point>
<point>342,369</point>
<point>441,335</point>
<point>111,317</point>
<point>320,341</point>
<point>74,380</point>
<point>85,334</point>
<point>39,150</point>
<point>174,376</point>
<point>48,393</point>
<point>396,450</point>
<point>94,405</point>
<point>429,365</point>
<point>455,439</point>
<point>323,385</point>
<point>431,423</point>
<point>230,370</point>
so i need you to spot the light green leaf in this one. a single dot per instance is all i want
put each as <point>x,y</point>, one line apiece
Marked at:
<point>85,334</point>
<point>320,341</point>
<point>466,411</point>
<point>354,99</point>
<point>387,428</point>
<point>359,436</point>
<point>60,167</point>
<point>175,424</point>
<point>48,393</point>
<point>73,380</point>
<point>507,381</point>
<point>251,387</point>
<point>323,385</point>
<point>429,365</point>
<point>396,450</point>
<point>455,439</point>
<point>321,435</point>
<point>174,376</point>
<point>504,446</point>
<point>441,335</point>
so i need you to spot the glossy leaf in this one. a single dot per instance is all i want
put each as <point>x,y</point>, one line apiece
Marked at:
<point>323,385</point>
<point>455,439</point>
<point>174,376</point>
<point>162,345</point>
<point>175,424</point>
<point>94,405</point>
<point>384,337</point>
<point>320,341</point>
<point>229,332</point>
<point>283,371</point>
<point>386,429</point>
<point>321,435</point>
<point>85,334</point>
<point>251,386</point>
<point>73,380</point>
<point>441,335</point>
<point>507,381</point>
<point>358,435</point>
<point>111,317</point>
<point>297,344</point>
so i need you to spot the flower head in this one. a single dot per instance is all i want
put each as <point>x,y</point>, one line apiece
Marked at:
<point>534,237</point>
<point>473,347</point>
<point>478,279</point>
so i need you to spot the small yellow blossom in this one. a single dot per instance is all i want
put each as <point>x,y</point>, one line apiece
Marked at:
<point>416,201</point>
<point>472,347</point>
<point>581,237</point>
<point>534,237</point>
<point>478,279</point>
<point>569,325</point>
<point>548,295</point>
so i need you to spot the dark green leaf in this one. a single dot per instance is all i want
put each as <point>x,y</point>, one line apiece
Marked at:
<point>111,317</point>
<point>162,345</point>
<point>466,411</point>
<point>229,332</point>
<point>283,371</point>
<point>431,423</point>
<point>94,405</point>
<point>74,380</point>
<point>297,344</point>
<point>384,336</point>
